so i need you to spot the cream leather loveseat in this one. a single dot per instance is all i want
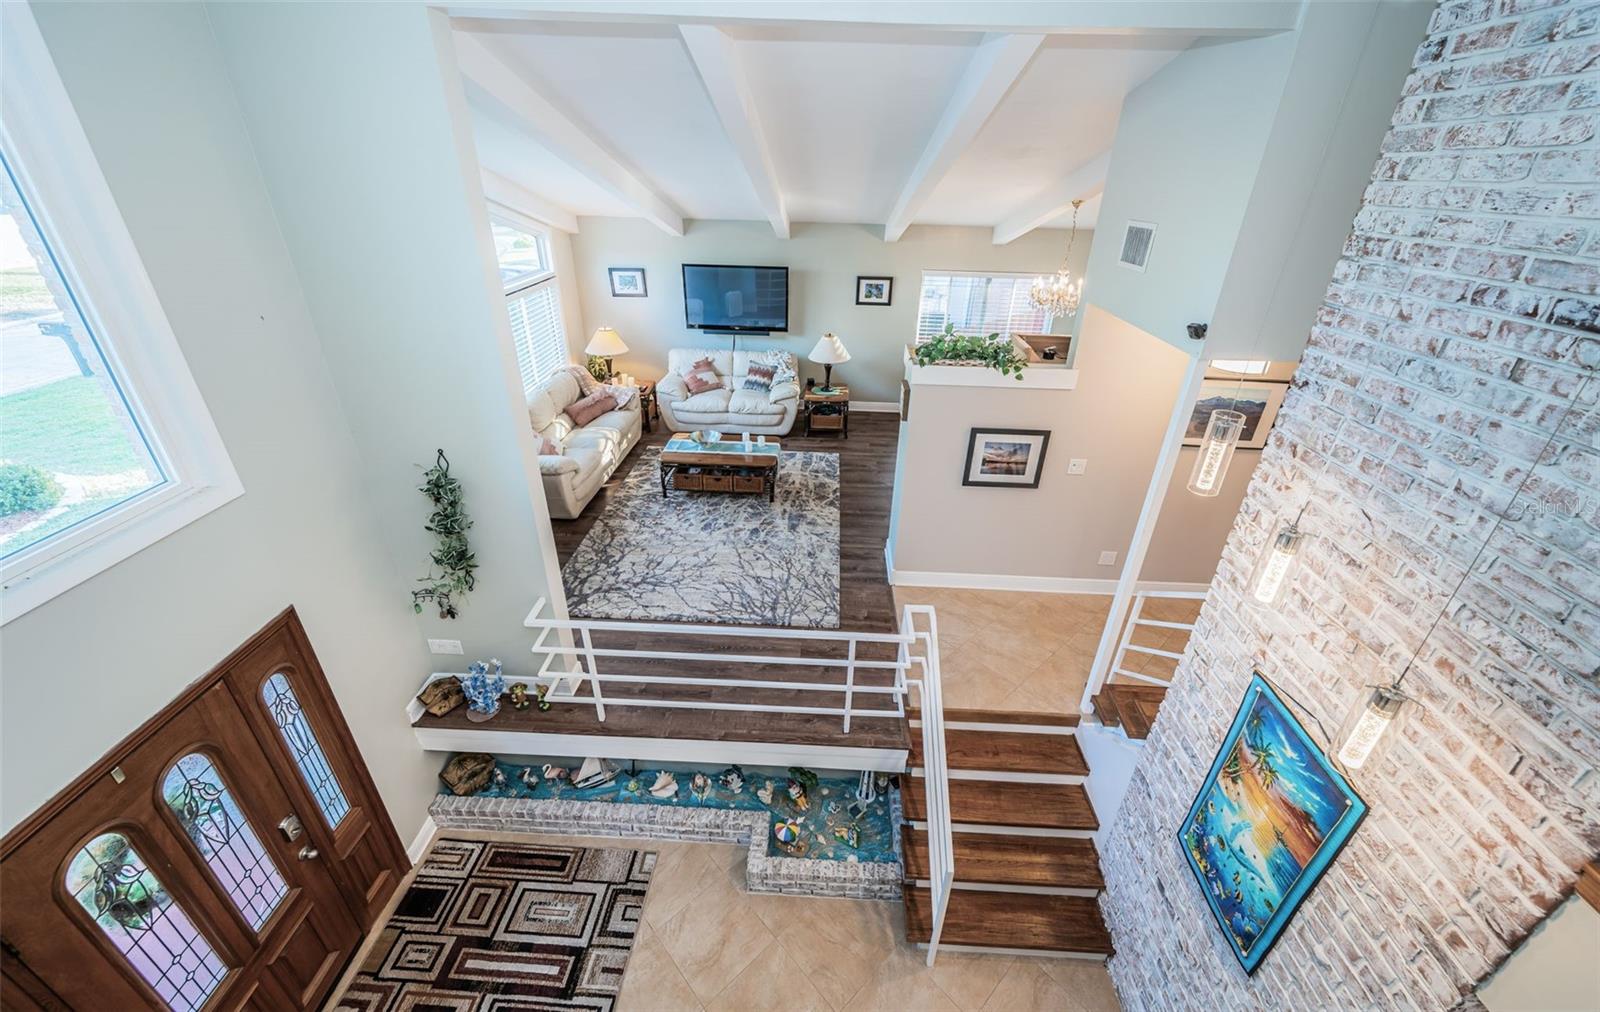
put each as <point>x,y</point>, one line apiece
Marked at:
<point>588,454</point>
<point>730,407</point>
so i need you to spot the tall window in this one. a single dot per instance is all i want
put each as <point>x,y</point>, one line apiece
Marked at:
<point>532,301</point>
<point>978,305</point>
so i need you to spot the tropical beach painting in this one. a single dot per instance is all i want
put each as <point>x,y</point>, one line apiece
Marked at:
<point>1270,818</point>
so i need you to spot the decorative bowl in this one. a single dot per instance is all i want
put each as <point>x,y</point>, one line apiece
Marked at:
<point>706,437</point>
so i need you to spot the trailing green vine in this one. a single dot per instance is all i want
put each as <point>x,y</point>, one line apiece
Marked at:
<point>951,348</point>
<point>449,523</point>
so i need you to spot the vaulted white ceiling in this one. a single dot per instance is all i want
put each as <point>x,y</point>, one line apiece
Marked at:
<point>802,121</point>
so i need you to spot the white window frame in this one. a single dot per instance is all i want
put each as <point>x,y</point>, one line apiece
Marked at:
<point>916,336</point>
<point>519,286</point>
<point>79,221</point>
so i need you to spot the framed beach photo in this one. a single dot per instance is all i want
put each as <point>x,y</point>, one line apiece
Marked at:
<point>874,291</point>
<point>1005,458</point>
<point>627,282</point>
<point>1270,817</point>
<point>1257,400</point>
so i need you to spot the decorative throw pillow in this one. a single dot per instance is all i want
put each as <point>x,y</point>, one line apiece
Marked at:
<point>623,395</point>
<point>701,380</point>
<point>587,384</point>
<point>759,378</point>
<point>782,367</point>
<point>591,407</point>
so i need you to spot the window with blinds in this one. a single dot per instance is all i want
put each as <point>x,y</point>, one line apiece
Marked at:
<point>977,304</point>
<point>532,301</point>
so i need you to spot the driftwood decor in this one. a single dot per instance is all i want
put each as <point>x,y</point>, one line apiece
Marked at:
<point>442,696</point>
<point>468,773</point>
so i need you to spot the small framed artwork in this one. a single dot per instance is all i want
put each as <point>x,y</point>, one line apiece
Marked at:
<point>874,291</point>
<point>1270,817</point>
<point>1005,458</point>
<point>627,282</point>
<point>1257,400</point>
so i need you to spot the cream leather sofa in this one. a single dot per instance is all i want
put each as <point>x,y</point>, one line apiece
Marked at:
<point>730,408</point>
<point>589,454</point>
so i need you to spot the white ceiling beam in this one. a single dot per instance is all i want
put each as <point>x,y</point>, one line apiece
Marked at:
<point>994,67</point>
<point>497,189</point>
<point>1052,17</point>
<point>714,56</point>
<point>1081,183</point>
<point>563,137</point>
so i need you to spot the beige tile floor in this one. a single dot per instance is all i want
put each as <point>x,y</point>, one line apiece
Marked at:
<point>1009,650</point>
<point>707,943</point>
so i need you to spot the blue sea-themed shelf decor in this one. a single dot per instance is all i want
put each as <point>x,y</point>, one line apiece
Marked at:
<point>1270,817</point>
<point>483,686</point>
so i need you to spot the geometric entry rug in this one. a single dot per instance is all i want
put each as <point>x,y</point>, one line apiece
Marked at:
<point>506,927</point>
<point>714,557</point>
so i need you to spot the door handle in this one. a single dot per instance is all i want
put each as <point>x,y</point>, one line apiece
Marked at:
<point>291,827</point>
<point>307,852</point>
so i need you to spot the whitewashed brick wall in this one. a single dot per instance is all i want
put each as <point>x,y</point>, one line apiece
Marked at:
<point>1454,334</point>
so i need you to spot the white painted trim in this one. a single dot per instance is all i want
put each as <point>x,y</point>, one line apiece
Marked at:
<point>1098,957</point>
<point>974,725</point>
<point>990,887</point>
<point>507,196</point>
<point>77,215</point>
<point>1035,377</point>
<point>880,407</point>
<point>420,842</point>
<point>1082,183</point>
<point>993,68</point>
<point>983,827</point>
<point>715,56</point>
<point>689,750</point>
<point>1033,584</point>
<point>1007,777</point>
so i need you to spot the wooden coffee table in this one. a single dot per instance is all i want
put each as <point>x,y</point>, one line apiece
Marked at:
<point>730,466</point>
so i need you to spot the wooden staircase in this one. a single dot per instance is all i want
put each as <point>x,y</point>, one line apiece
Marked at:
<point>1128,706</point>
<point>1027,875</point>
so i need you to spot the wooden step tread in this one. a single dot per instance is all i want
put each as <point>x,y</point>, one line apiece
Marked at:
<point>999,859</point>
<point>1007,752</point>
<point>1010,921</point>
<point>1000,803</point>
<point>1131,707</point>
<point>958,716</point>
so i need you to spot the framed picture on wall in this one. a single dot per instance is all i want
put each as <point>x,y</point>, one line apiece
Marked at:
<point>1005,458</point>
<point>1257,400</point>
<point>627,282</point>
<point>1268,820</point>
<point>874,291</point>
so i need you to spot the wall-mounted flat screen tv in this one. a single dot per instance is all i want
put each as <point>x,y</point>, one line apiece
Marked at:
<point>739,299</point>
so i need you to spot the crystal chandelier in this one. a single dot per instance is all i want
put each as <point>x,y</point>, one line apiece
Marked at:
<point>1059,293</point>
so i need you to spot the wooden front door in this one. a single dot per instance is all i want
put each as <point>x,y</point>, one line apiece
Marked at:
<point>232,852</point>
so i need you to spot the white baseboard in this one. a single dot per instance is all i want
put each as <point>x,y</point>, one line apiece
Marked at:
<point>424,836</point>
<point>1032,584</point>
<point>884,407</point>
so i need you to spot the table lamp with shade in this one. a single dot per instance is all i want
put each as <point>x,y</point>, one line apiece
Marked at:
<point>829,352</point>
<point>607,344</point>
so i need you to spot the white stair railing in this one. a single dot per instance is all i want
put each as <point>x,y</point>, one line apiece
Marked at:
<point>935,768</point>
<point>1125,643</point>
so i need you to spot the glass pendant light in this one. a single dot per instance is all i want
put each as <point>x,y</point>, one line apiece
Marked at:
<point>1216,450</point>
<point>1367,730</point>
<point>1278,562</point>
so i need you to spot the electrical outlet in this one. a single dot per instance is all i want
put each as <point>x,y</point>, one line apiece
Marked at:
<point>1077,465</point>
<point>444,646</point>
<point>1108,558</point>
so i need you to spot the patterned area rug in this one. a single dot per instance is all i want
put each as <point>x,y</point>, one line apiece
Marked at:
<point>713,557</point>
<point>507,927</point>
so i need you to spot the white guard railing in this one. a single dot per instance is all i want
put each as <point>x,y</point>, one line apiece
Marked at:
<point>835,675</point>
<point>1135,620</point>
<point>935,767</point>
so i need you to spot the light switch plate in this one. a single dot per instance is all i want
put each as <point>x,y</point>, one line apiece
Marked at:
<point>444,646</point>
<point>1108,558</point>
<point>1077,465</point>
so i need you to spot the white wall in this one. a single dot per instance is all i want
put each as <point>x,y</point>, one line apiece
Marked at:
<point>823,262</point>
<point>83,670</point>
<point>1555,969</point>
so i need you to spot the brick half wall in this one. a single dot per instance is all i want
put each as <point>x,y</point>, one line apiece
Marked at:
<point>1454,336</point>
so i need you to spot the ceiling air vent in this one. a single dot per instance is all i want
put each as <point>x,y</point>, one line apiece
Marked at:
<point>1136,243</point>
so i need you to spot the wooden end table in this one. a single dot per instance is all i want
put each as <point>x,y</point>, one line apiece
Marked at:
<point>827,410</point>
<point>727,466</point>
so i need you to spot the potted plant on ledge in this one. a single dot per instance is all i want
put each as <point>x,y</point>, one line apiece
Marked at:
<point>950,348</point>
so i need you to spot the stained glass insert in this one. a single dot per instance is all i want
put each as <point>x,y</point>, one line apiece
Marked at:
<point>302,741</point>
<point>197,796</point>
<point>137,914</point>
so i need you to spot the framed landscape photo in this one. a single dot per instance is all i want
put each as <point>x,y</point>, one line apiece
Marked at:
<point>1270,817</point>
<point>627,282</point>
<point>1257,400</point>
<point>1005,458</point>
<point>874,291</point>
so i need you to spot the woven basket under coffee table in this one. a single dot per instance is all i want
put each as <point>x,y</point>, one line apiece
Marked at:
<point>728,465</point>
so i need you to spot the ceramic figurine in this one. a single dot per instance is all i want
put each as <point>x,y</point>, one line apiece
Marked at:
<point>832,807</point>
<point>633,786</point>
<point>539,692</point>
<point>529,778</point>
<point>732,780</point>
<point>498,778</point>
<point>554,773</point>
<point>882,780</point>
<point>666,786</point>
<point>786,830</point>
<point>797,795</point>
<point>700,786</point>
<point>849,835</point>
<point>482,687</point>
<point>519,696</point>
<point>764,794</point>
<point>594,773</point>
